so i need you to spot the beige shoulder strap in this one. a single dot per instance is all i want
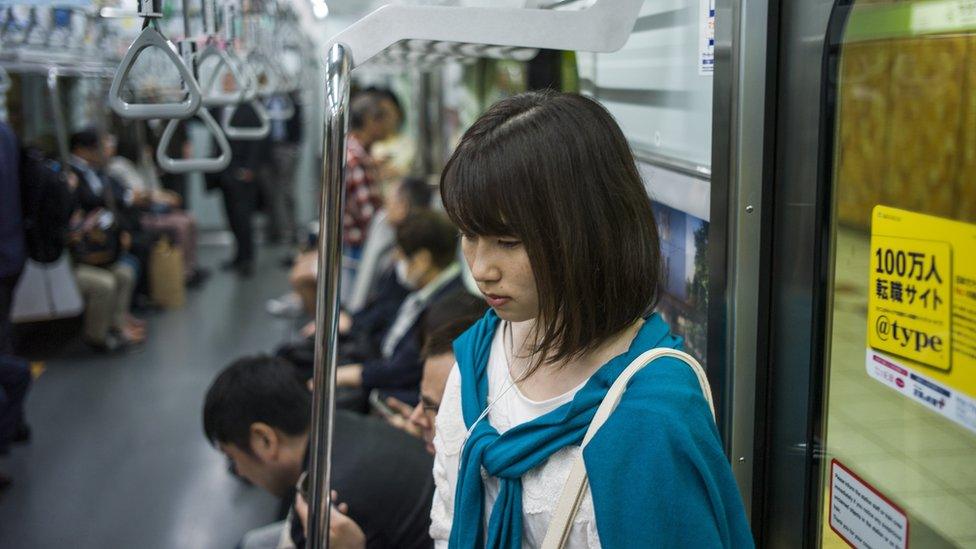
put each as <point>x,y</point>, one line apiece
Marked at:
<point>575,488</point>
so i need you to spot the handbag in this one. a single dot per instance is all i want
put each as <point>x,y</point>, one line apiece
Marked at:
<point>166,283</point>
<point>576,485</point>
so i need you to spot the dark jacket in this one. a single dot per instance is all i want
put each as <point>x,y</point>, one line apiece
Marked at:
<point>13,251</point>
<point>384,475</point>
<point>399,375</point>
<point>249,154</point>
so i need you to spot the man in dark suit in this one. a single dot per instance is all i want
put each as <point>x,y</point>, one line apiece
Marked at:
<point>426,248</point>
<point>258,413</point>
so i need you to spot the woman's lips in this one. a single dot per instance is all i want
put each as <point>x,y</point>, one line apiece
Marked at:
<point>496,300</point>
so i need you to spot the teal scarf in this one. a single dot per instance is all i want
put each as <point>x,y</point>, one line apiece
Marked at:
<point>656,469</point>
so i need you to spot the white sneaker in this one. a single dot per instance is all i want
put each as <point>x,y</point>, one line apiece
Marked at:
<point>286,306</point>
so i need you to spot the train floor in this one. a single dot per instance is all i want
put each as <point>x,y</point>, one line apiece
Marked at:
<point>118,457</point>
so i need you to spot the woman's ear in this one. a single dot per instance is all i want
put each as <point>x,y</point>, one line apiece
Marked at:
<point>265,442</point>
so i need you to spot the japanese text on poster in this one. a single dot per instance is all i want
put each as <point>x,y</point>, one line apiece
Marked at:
<point>922,310</point>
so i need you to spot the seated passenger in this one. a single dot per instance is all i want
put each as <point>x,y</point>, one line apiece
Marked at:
<point>97,193</point>
<point>410,195</point>
<point>258,413</point>
<point>444,323</point>
<point>160,210</point>
<point>426,251</point>
<point>106,272</point>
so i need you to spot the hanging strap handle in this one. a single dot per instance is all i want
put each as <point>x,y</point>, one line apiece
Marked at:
<point>576,485</point>
<point>152,38</point>
<point>212,96</point>
<point>207,165</point>
<point>247,133</point>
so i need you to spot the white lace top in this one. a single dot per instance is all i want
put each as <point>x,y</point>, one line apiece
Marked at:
<point>541,486</point>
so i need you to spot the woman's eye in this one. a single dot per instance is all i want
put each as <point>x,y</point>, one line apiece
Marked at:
<point>509,243</point>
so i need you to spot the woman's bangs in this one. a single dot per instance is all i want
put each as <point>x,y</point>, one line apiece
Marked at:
<point>477,197</point>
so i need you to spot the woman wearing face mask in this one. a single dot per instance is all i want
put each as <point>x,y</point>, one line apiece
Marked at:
<point>426,247</point>
<point>559,234</point>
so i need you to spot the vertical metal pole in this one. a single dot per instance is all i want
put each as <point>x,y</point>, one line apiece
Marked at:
<point>337,67</point>
<point>60,124</point>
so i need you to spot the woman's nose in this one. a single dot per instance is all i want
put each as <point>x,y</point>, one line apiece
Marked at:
<point>483,269</point>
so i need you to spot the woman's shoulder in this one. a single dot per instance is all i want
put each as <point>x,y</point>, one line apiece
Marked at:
<point>667,392</point>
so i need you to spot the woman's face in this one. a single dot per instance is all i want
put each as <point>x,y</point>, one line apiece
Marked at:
<point>502,270</point>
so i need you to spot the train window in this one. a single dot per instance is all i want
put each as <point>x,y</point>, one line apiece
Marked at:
<point>900,413</point>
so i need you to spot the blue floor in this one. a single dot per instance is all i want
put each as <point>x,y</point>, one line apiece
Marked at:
<point>118,458</point>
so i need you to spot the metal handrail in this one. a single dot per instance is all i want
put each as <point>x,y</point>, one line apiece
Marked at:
<point>151,37</point>
<point>57,112</point>
<point>247,133</point>
<point>337,66</point>
<point>186,165</point>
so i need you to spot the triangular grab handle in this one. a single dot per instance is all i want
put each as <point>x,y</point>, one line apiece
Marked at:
<point>149,38</point>
<point>270,85</point>
<point>283,110</point>
<point>215,97</point>
<point>247,133</point>
<point>186,165</point>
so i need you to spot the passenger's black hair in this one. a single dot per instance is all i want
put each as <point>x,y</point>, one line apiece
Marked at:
<point>447,319</point>
<point>431,231</point>
<point>555,171</point>
<point>416,191</point>
<point>363,105</point>
<point>387,93</point>
<point>255,389</point>
<point>86,138</point>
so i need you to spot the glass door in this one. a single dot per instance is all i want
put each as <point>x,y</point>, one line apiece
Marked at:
<point>899,410</point>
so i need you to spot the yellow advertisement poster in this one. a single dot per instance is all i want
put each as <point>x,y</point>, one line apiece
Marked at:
<point>922,310</point>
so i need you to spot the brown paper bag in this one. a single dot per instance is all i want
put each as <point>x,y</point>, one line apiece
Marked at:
<point>166,284</point>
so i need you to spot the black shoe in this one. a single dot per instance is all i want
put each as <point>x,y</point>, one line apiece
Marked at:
<point>22,435</point>
<point>5,481</point>
<point>197,278</point>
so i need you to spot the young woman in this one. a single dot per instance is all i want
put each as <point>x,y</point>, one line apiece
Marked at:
<point>559,235</point>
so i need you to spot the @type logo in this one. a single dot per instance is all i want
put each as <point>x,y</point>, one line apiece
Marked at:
<point>905,337</point>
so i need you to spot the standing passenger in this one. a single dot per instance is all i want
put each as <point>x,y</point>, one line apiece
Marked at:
<point>14,372</point>
<point>559,235</point>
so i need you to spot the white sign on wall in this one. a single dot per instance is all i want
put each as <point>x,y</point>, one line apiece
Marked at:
<point>862,515</point>
<point>706,37</point>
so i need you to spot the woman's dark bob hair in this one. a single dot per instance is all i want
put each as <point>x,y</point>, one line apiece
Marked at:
<point>554,170</point>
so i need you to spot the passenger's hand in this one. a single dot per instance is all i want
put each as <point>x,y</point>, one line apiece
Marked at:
<point>72,179</point>
<point>344,533</point>
<point>345,322</point>
<point>308,330</point>
<point>349,375</point>
<point>125,239</point>
<point>245,175</point>
<point>401,417</point>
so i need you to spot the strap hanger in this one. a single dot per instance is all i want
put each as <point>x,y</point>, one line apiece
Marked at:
<point>152,37</point>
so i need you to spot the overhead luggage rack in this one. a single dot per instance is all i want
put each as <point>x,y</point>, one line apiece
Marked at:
<point>409,35</point>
